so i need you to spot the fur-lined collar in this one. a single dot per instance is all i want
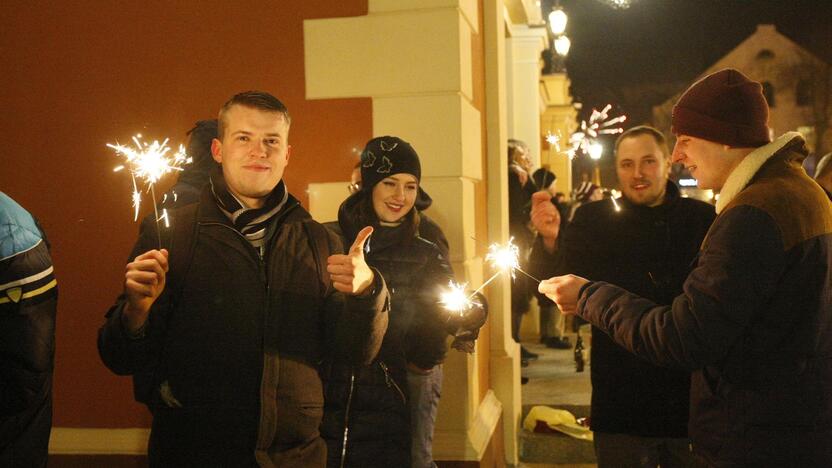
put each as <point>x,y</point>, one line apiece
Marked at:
<point>748,168</point>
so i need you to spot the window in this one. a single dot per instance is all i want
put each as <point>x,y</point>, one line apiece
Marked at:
<point>803,93</point>
<point>765,54</point>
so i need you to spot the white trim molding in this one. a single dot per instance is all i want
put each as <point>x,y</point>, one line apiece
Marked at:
<point>98,441</point>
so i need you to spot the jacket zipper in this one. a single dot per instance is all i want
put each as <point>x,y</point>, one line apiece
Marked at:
<point>347,420</point>
<point>391,382</point>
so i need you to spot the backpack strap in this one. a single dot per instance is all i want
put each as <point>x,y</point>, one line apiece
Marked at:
<point>181,238</point>
<point>319,241</point>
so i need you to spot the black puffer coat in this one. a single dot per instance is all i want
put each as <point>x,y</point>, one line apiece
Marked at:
<point>28,299</point>
<point>648,251</point>
<point>366,407</point>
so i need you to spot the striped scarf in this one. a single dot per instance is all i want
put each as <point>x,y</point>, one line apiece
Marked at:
<point>250,222</point>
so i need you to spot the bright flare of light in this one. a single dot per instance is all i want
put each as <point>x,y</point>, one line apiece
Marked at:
<point>553,140</point>
<point>562,45</point>
<point>455,299</point>
<point>615,204</point>
<point>148,162</point>
<point>557,21</point>
<point>599,123</point>
<point>596,150</point>
<point>504,257</point>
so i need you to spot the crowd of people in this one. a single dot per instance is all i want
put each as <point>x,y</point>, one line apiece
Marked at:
<point>257,336</point>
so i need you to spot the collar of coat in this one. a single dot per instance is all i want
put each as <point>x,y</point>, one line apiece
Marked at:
<point>741,176</point>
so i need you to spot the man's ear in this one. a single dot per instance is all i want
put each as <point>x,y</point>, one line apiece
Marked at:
<point>216,150</point>
<point>288,153</point>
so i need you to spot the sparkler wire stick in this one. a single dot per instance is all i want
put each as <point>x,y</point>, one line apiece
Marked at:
<point>484,284</point>
<point>156,216</point>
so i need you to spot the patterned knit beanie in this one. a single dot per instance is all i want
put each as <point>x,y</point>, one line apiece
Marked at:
<point>724,107</point>
<point>385,156</point>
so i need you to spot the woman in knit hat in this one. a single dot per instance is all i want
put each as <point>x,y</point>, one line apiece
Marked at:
<point>375,414</point>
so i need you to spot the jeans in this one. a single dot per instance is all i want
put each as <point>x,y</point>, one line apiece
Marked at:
<point>425,390</point>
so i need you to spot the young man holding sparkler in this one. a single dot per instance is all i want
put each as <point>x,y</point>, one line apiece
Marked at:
<point>754,323</point>
<point>28,302</point>
<point>224,346</point>
<point>383,414</point>
<point>645,241</point>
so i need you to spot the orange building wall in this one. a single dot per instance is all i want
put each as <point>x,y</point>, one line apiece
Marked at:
<point>77,75</point>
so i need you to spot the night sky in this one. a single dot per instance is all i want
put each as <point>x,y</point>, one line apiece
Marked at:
<point>638,57</point>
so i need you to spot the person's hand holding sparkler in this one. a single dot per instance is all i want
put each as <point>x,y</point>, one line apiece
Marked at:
<point>143,283</point>
<point>350,273</point>
<point>468,314</point>
<point>563,291</point>
<point>546,219</point>
<point>455,299</point>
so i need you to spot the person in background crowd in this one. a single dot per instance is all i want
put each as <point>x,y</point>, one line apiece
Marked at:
<point>754,321</point>
<point>194,176</point>
<point>520,189</point>
<point>551,320</point>
<point>585,193</point>
<point>383,414</point>
<point>639,411</point>
<point>28,304</point>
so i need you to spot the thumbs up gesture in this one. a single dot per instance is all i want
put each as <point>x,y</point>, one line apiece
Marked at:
<point>350,273</point>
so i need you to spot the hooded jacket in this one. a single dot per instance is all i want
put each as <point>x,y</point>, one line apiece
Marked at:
<point>236,348</point>
<point>28,302</point>
<point>754,322</point>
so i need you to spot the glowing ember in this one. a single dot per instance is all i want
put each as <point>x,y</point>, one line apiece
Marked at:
<point>149,162</point>
<point>599,124</point>
<point>505,257</point>
<point>455,299</point>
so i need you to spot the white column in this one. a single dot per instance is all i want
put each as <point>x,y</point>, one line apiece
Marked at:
<point>523,49</point>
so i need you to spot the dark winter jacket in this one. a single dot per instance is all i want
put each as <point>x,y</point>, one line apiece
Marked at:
<point>28,300</point>
<point>366,406</point>
<point>754,322</point>
<point>648,251</point>
<point>236,348</point>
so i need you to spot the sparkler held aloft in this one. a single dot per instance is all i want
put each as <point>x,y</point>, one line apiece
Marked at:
<point>149,162</point>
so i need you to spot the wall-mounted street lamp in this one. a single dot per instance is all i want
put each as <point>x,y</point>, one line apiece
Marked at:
<point>562,45</point>
<point>596,150</point>
<point>557,21</point>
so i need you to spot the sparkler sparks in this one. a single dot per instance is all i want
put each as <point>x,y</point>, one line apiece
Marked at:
<point>599,123</point>
<point>455,299</point>
<point>504,258</point>
<point>149,162</point>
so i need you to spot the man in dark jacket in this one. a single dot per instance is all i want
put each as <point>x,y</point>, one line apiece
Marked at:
<point>644,242</point>
<point>755,320</point>
<point>234,341</point>
<point>28,299</point>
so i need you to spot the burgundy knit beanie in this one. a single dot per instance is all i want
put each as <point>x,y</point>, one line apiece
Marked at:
<point>724,107</point>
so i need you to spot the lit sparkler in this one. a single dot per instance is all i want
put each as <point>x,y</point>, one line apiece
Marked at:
<point>503,258</point>
<point>599,123</point>
<point>149,162</point>
<point>455,299</point>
